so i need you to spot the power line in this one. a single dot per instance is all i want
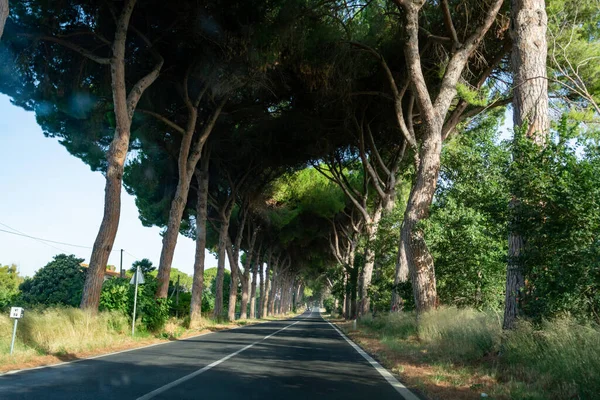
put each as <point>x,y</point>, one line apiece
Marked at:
<point>47,241</point>
<point>31,237</point>
<point>43,240</point>
<point>137,259</point>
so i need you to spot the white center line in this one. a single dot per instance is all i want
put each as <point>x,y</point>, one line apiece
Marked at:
<point>185,378</point>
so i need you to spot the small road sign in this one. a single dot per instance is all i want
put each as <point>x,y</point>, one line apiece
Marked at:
<point>17,312</point>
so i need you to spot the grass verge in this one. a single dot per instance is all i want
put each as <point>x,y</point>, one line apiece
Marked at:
<point>61,334</point>
<point>463,353</point>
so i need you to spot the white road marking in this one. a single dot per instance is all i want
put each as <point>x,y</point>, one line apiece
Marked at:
<point>127,350</point>
<point>185,378</point>
<point>391,379</point>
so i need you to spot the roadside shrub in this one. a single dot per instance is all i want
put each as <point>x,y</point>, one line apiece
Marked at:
<point>115,295</point>
<point>460,334</point>
<point>60,282</point>
<point>62,330</point>
<point>562,356</point>
<point>118,295</point>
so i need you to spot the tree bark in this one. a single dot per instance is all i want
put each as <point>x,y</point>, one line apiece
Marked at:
<point>400,276</point>
<point>433,113</point>
<point>245,276</point>
<point>253,289</point>
<point>187,162</point>
<point>262,290</point>
<point>222,253</point>
<point>530,102</point>
<point>267,290</point>
<point>419,260</point>
<point>124,107</point>
<point>274,288</point>
<point>367,275</point>
<point>4,10</point>
<point>201,216</point>
<point>233,283</point>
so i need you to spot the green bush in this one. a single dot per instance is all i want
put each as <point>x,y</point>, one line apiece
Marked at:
<point>115,295</point>
<point>60,282</point>
<point>118,295</point>
<point>9,285</point>
<point>460,334</point>
<point>561,356</point>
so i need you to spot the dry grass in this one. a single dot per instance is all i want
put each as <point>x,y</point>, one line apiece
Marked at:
<point>60,334</point>
<point>461,353</point>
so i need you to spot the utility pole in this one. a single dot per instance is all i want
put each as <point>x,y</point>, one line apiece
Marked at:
<point>121,270</point>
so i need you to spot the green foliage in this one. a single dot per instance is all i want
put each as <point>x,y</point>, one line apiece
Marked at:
<point>58,282</point>
<point>557,359</point>
<point>467,230</point>
<point>560,356</point>
<point>558,214</point>
<point>115,295</point>
<point>329,304</point>
<point>210,289</point>
<point>9,285</point>
<point>472,97</point>
<point>145,266</point>
<point>118,295</point>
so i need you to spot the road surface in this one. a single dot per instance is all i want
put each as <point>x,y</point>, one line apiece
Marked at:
<point>300,358</point>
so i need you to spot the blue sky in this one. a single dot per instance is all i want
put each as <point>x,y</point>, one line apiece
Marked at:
<point>47,193</point>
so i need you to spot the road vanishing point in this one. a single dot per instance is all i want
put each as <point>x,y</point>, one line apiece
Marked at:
<point>304,357</point>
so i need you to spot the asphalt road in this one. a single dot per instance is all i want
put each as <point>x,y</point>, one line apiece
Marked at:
<point>301,358</point>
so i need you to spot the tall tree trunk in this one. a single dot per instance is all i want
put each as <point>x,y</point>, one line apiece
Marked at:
<point>233,283</point>
<point>201,216</point>
<point>222,253</point>
<point>169,240</point>
<point>367,274</point>
<point>267,290</point>
<point>346,308</point>
<point>433,112</point>
<point>530,102</point>
<point>245,281</point>
<point>400,276</point>
<point>124,107</point>
<point>354,293</point>
<point>419,260</point>
<point>189,156</point>
<point>253,290</point>
<point>4,10</point>
<point>261,303</point>
<point>274,288</point>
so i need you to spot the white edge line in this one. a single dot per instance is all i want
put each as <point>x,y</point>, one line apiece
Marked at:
<point>391,379</point>
<point>185,378</point>
<point>16,371</point>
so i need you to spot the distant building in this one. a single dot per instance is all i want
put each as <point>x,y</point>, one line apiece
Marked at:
<point>109,273</point>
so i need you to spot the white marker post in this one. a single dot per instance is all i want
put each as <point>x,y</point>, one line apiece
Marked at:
<point>137,279</point>
<point>16,313</point>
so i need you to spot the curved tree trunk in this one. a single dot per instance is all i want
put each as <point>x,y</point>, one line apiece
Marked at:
<point>170,236</point>
<point>253,290</point>
<point>260,305</point>
<point>188,159</point>
<point>400,276</point>
<point>233,283</point>
<point>418,258</point>
<point>530,102</point>
<point>124,108</point>
<point>222,253</point>
<point>367,274</point>
<point>201,215</point>
<point>4,10</point>
<point>267,290</point>
<point>274,288</point>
